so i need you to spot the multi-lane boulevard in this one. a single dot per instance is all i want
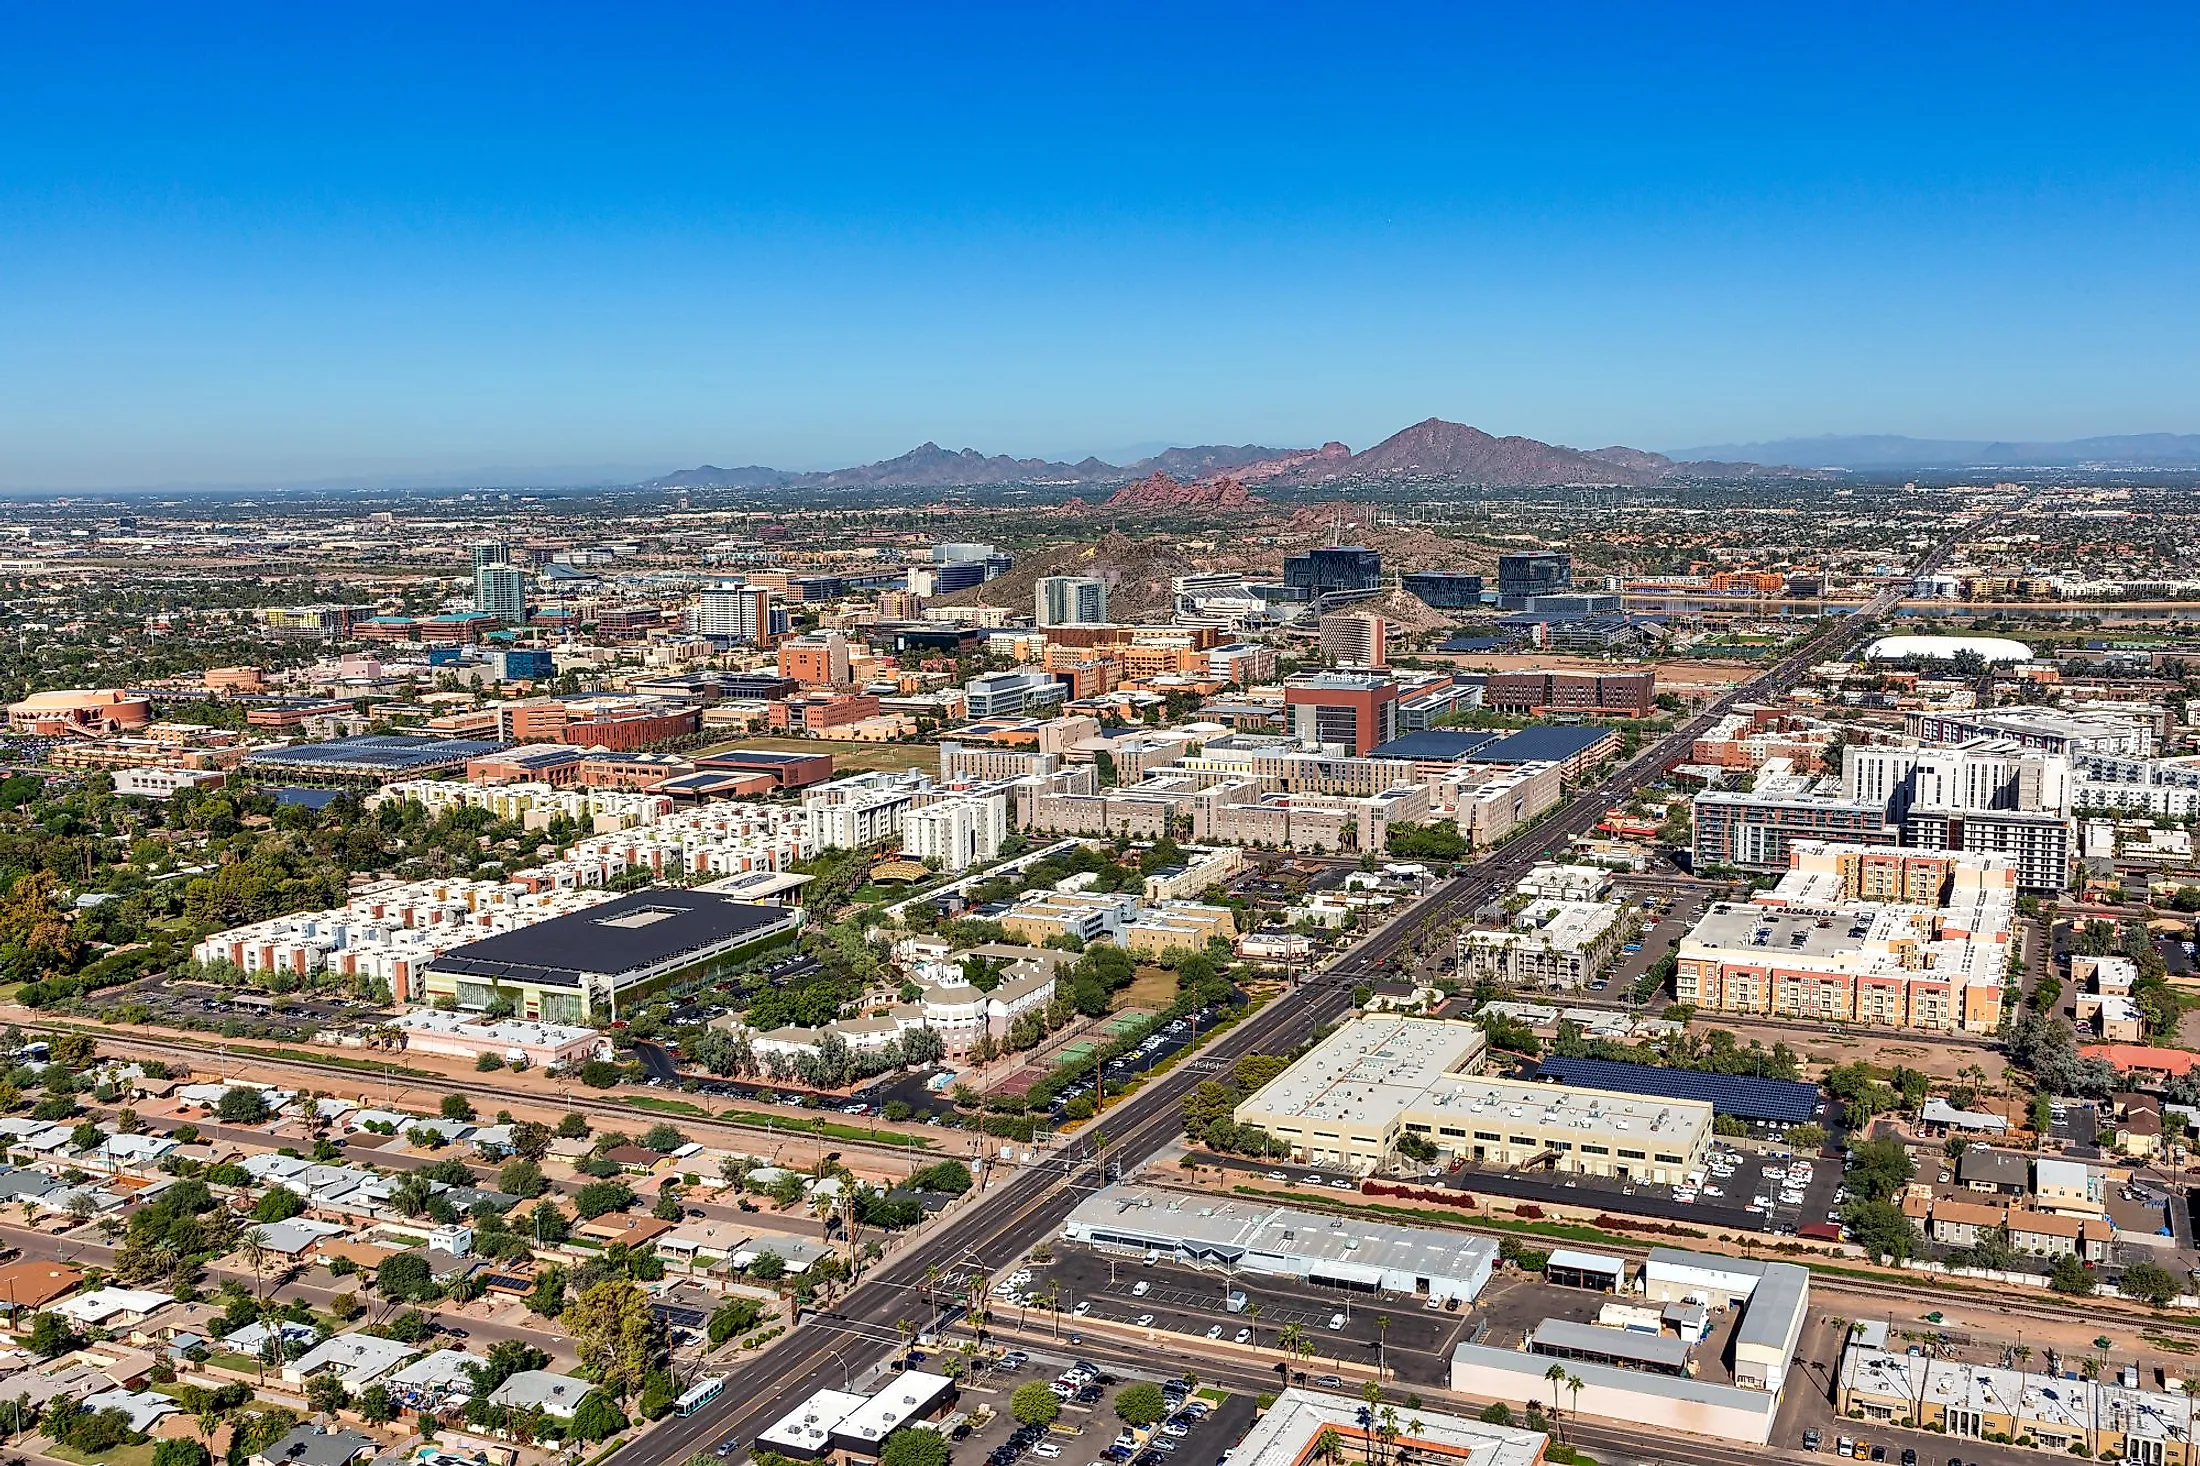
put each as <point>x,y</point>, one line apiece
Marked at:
<point>993,1228</point>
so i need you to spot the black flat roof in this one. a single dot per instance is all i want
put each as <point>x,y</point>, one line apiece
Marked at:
<point>1555,742</point>
<point>625,934</point>
<point>1436,743</point>
<point>376,751</point>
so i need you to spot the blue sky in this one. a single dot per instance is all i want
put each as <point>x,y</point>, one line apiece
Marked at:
<point>245,244</point>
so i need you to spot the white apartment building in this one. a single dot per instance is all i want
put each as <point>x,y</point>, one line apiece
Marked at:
<point>533,804</point>
<point>864,809</point>
<point>956,832</point>
<point>1070,600</point>
<point>722,839</point>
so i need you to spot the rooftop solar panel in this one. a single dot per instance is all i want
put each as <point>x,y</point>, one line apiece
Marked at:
<point>1780,1101</point>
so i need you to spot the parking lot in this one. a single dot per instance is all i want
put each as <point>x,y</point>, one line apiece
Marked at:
<point>1415,1340</point>
<point>1202,1426</point>
<point>1173,1037</point>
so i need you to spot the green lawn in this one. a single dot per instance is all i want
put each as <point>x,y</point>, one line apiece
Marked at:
<point>664,1106</point>
<point>138,1455</point>
<point>830,1129</point>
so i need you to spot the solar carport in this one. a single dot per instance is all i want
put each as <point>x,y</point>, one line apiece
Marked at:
<point>1744,1096</point>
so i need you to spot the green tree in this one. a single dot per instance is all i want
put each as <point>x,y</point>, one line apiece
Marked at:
<point>456,1107</point>
<point>280,1204</point>
<point>2150,1281</point>
<point>404,1277</point>
<point>325,1392</point>
<point>180,1453</point>
<point>619,1340</point>
<point>1878,1169</point>
<point>734,1316</point>
<point>1034,1404</point>
<point>663,1138</point>
<point>242,1105</point>
<point>51,1335</point>
<point>376,1406</point>
<point>599,1197</point>
<point>1141,1404</point>
<point>522,1178</point>
<point>2069,1274</point>
<point>1881,1228</point>
<point>913,1446</point>
<point>597,1418</point>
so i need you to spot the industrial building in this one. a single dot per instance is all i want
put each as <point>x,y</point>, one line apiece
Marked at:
<point>578,968</point>
<point>1254,1237</point>
<point>1349,1101</point>
<point>369,758</point>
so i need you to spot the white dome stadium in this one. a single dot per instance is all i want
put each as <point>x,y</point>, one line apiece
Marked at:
<point>1992,648</point>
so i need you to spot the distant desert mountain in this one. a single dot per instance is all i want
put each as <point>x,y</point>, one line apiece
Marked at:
<point>1206,462</point>
<point>711,477</point>
<point>1439,449</point>
<point>1435,449</point>
<point>929,466</point>
<point>1891,451</point>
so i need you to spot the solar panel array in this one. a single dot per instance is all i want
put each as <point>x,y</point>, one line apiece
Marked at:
<point>1745,1097</point>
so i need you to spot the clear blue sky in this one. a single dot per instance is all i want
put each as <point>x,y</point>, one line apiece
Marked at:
<point>244,243</point>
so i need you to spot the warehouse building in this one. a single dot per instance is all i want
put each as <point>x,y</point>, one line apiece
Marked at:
<point>1254,1237</point>
<point>579,968</point>
<point>1380,1078</point>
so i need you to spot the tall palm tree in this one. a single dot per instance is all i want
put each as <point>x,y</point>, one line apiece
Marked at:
<point>1372,1393</point>
<point>1252,1314</point>
<point>932,1293</point>
<point>1388,1432</point>
<point>1556,1374</point>
<point>1328,1447</point>
<point>1382,1338</point>
<point>1573,1386</point>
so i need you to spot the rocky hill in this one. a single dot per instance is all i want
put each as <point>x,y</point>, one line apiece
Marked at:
<point>1161,493</point>
<point>1138,572</point>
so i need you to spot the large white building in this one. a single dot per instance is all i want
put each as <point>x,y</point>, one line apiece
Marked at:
<point>863,809</point>
<point>957,832</point>
<point>1349,1101</point>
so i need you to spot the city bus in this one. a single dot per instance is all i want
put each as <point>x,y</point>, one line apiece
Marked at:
<point>699,1394</point>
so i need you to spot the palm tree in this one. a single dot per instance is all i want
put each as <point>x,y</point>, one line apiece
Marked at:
<point>1372,1393</point>
<point>1328,1447</point>
<point>1289,1338</point>
<point>1556,1374</point>
<point>1573,1385</point>
<point>1382,1337</point>
<point>1252,1314</point>
<point>1389,1430</point>
<point>932,1293</point>
<point>1052,1298</point>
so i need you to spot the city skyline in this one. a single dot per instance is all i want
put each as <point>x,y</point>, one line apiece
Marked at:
<point>277,247</point>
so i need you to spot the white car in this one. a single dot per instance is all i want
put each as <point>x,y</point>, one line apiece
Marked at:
<point>1244,1336</point>
<point>1046,1450</point>
<point>1145,1320</point>
<point>1336,1321</point>
<point>1138,1290</point>
<point>1215,1332</point>
<point>1081,1310</point>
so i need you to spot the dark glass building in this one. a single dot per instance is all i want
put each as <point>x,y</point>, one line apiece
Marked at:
<point>1446,590</point>
<point>1348,568</point>
<point>1535,573</point>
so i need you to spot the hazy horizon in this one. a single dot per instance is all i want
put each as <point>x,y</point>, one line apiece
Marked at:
<point>265,245</point>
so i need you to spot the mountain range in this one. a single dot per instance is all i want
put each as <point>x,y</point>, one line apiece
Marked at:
<point>1433,448</point>
<point>1889,451</point>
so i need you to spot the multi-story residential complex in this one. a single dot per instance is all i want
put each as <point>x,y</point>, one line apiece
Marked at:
<point>864,809</point>
<point>328,622</point>
<point>501,591</point>
<point>1489,802</point>
<point>956,832</point>
<point>727,838</point>
<point>1070,600</point>
<point>985,763</point>
<point>1375,1080</point>
<point>1752,830</point>
<point>1552,944</point>
<point>1007,694</point>
<point>1626,694</point>
<point>735,612</point>
<point>1357,710</point>
<point>1533,573</point>
<point>1176,927</point>
<point>2049,730</point>
<point>1089,916</point>
<point>1320,823</point>
<point>1861,934</point>
<point>818,660</point>
<point>1355,639</point>
<point>389,932</point>
<point>536,805</point>
<point>1202,871</point>
<point>811,712</point>
<point>2147,786</point>
<point>1241,661</point>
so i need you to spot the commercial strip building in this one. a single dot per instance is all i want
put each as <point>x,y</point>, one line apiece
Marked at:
<point>541,1045</point>
<point>1255,1237</point>
<point>1290,1431</point>
<point>1858,934</point>
<point>578,968</point>
<point>2111,1418</point>
<point>1375,1080</point>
